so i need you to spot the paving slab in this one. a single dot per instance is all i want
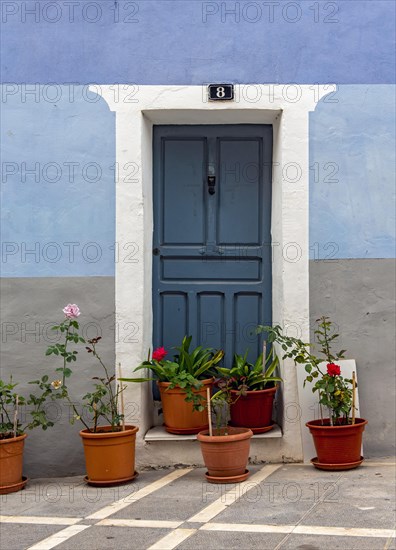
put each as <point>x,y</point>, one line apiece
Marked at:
<point>263,511</point>
<point>279,507</point>
<point>179,500</point>
<point>225,541</point>
<point>113,538</point>
<point>313,542</point>
<point>71,496</point>
<point>375,514</point>
<point>20,537</point>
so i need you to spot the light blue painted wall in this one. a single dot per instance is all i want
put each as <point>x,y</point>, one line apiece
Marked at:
<point>352,181</point>
<point>187,42</point>
<point>352,154</point>
<point>193,41</point>
<point>42,211</point>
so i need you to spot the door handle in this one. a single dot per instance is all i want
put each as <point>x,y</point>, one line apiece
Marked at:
<point>156,251</point>
<point>211,185</point>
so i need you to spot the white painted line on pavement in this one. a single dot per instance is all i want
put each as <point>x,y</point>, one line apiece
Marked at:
<point>390,541</point>
<point>300,530</point>
<point>246,527</point>
<point>133,497</point>
<point>173,539</point>
<point>149,523</point>
<point>40,520</point>
<point>59,537</point>
<point>233,494</point>
<point>342,531</point>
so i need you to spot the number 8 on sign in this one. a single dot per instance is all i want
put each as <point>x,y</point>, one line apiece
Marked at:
<point>221,92</point>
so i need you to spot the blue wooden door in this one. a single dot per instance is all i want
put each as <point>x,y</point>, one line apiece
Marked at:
<point>212,241</point>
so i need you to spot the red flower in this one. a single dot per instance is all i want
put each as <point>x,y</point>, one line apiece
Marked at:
<point>159,354</point>
<point>333,369</point>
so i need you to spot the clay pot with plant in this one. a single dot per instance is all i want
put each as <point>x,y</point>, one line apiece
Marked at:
<point>182,382</point>
<point>252,388</point>
<point>225,449</point>
<point>337,436</point>
<point>109,444</point>
<point>13,430</point>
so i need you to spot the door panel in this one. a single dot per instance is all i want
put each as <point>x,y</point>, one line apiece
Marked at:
<point>174,306</point>
<point>183,192</point>
<point>210,317</point>
<point>212,244</point>
<point>210,269</point>
<point>239,192</point>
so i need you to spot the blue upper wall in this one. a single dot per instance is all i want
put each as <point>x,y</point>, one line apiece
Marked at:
<point>58,142</point>
<point>58,178</point>
<point>193,41</point>
<point>352,180</point>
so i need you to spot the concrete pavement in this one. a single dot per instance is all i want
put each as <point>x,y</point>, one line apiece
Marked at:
<point>281,506</point>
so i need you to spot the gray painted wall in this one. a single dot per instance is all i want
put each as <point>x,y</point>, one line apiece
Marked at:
<point>33,305</point>
<point>359,296</point>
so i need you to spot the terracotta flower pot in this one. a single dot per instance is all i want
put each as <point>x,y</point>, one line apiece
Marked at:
<point>11,462</point>
<point>109,456</point>
<point>179,416</point>
<point>253,410</point>
<point>226,456</point>
<point>337,445</point>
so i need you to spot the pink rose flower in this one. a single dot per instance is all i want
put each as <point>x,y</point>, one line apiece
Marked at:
<point>72,311</point>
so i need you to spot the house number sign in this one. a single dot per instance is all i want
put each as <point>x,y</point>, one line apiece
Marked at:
<point>221,92</point>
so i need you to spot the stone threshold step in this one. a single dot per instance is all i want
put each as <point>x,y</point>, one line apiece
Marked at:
<point>158,433</point>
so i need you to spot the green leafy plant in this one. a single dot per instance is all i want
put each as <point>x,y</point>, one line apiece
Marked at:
<point>241,378</point>
<point>186,370</point>
<point>12,403</point>
<point>334,391</point>
<point>103,401</point>
<point>244,376</point>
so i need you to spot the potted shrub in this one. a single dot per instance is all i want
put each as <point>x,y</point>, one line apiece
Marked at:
<point>13,430</point>
<point>225,449</point>
<point>109,448</point>
<point>337,437</point>
<point>252,388</point>
<point>182,383</point>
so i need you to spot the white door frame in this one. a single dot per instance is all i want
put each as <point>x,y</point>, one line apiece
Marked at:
<point>137,110</point>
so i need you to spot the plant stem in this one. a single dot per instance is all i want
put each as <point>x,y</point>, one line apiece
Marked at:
<point>6,413</point>
<point>76,411</point>
<point>353,396</point>
<point>95,416</point>
<point>209,412</point>
<point>112,399</point>
<point>330,412</point>
<point>16,415</point>
<point>120,391</point>
<point>65,357</point>
<point>326,343</point>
